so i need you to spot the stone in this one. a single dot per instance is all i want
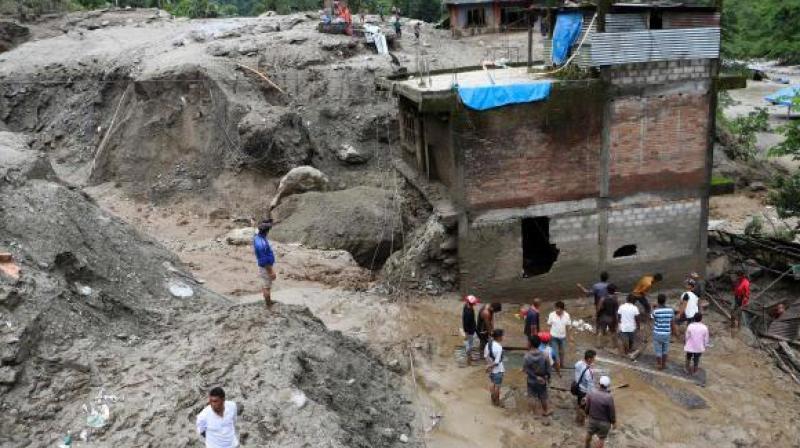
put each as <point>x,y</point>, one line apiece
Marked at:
<point>403,438</point>
<point>450,243</point>
<point>300,180</point>
<point>180,290</point>
<point>757,186</point>
<point>351,156</point>
<point>8,376</point>
<point>240,237</point>
<point>298,399</point>
<point>717,267</point>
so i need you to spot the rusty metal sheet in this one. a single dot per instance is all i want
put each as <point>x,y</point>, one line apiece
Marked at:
<point>673,20</point>
<point>621,23</point>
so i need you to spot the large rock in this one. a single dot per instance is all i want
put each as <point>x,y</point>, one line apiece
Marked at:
<point>428,260</point>
<point>361,220</point>
<point>277,141</point>
<point>18,162</point>
<point>12,34</point>
<point>300,180</point>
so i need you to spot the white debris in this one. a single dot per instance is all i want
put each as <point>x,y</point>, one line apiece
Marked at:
<point>299,399</point>
<point>180,290</point>
<point>403,438</point>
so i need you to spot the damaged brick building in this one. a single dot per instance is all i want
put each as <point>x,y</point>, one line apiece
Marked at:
<point>609,170</point>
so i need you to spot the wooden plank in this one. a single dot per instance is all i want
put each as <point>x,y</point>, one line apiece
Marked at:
<point>775,337</point>
<point>789,352</point>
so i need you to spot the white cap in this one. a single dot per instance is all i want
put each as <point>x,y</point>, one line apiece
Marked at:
<point>605,381</point>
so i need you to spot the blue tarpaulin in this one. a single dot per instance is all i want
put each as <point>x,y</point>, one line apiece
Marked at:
<point>784,97</point>
<point>491,96</point>
<point>568,28</point>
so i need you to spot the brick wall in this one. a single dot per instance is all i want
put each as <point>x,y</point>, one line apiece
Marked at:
<point>661,231</point>
<point>533,153</point>
<point>660,72</point>
<point>658,143</point>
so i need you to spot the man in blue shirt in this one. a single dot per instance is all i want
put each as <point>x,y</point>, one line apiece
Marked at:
<point>663,327</point>
<point>265,258</point>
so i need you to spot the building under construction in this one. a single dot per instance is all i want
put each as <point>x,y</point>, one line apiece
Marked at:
<point>597,159</point>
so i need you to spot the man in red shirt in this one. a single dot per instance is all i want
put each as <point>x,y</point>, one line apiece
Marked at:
<point>741,297</point>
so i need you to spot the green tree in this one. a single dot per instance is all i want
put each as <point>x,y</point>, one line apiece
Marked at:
<point>790,146</point>
<point>762,28</point>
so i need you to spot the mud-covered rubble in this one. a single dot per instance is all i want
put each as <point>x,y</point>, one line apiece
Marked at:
<point>95,341</point>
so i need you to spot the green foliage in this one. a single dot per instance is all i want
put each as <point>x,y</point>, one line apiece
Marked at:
<point>762,29</point>
<point>717,179</point>
<point>741,132</point>
<point>790,146</point>
<point>755,226</point>
<point>786,195</point>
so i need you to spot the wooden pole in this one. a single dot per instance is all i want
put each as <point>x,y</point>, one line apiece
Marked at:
<point>262,76</point>
<point>530,39</point>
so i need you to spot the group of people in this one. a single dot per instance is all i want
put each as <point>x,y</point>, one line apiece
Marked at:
<point>632,321</point>
<point>546,353</point>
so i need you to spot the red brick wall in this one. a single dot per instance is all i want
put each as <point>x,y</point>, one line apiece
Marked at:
<point>534,153</point>
<point>658,143</point>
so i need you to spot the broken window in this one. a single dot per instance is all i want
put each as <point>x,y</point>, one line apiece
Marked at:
<point>627,250</point>
<point>538,255</point>
<point>476,17</point>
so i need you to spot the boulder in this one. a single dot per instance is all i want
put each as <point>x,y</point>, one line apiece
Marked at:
<point>361,220</point>
<point>300,180</point>
<point>349,155</point>
<point>276,140</point>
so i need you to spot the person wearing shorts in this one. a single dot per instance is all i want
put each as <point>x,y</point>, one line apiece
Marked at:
<point>663,328</point>
<point>601,412</point>
<point>265,259</point>
<point>584,378</point>
<point>536,366</point>
<point>628,323</point>
<point>493,353</point>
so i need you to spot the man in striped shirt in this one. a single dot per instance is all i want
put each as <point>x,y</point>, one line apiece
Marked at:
<point>663,327</point>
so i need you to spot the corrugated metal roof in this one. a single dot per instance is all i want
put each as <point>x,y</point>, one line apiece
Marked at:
<point>672,20</point>
<point>654,45</point>
<point>618,23</point>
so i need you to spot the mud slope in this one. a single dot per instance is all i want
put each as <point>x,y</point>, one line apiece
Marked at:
<point>93,324</point>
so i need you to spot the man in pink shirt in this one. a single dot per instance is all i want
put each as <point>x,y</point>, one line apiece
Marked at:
<point>696,343</point>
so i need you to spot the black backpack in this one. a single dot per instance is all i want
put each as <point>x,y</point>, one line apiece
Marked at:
<point>574,388</point>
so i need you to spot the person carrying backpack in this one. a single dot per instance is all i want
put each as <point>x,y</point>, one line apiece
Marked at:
<point>536,366</point>
<point>494,365</point>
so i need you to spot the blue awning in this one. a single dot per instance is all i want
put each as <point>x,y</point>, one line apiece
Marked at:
<point>492,96</point>
<point>784,97</point>
<point>567,30</point>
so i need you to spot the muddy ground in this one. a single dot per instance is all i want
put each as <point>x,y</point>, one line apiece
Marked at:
<point>149,117</point>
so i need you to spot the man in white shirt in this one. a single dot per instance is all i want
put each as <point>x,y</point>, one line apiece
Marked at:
<point>559,320</point>
<point>628,323</point>
<point>493,353</point>
<point>690,303</point>
<point>216,423</point>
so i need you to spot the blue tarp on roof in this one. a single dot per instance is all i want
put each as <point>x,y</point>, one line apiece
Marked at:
<point>491,96</point>
<point>784,97</point>
<point>568,28</point>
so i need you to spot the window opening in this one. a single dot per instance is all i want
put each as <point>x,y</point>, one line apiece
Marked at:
<point>627,250</point>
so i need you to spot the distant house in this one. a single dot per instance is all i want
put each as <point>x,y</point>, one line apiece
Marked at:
<point>549,180</point>
<point>470,17</point>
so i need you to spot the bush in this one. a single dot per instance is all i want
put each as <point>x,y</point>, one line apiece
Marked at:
<point>740,143</point>
<point>755,227</point>
<point>786,196</point>
<point>791,131</point>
